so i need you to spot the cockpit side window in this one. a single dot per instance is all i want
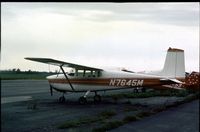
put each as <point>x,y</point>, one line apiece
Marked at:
<point>87,73</point>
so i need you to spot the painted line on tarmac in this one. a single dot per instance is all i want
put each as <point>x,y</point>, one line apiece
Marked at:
<point>5,100</point>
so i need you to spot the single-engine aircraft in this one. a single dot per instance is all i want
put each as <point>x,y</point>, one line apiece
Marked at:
<point>91,79</point>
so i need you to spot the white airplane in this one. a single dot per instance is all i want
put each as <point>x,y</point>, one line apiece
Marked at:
<point>91,79</point>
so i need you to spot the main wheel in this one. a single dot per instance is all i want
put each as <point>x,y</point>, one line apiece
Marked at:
<point>97,98</point>
<point>82,100</point>
<point>62,99</point>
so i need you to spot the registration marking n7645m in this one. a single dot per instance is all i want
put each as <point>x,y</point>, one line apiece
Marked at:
<point>126,82</point>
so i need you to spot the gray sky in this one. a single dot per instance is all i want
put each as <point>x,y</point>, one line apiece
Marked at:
<point>131,35</point>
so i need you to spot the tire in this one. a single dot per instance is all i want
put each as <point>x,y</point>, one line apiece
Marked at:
<point>97,98</point>
<point>82,100</point>
<point>62,99</point>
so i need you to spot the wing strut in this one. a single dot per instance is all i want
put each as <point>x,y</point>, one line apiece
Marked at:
<point>66,77</point>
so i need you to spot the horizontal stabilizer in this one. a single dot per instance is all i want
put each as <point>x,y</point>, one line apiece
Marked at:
<point>173,87</point>
<point>171,79</point>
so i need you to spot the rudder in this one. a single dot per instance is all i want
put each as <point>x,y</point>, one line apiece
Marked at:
<point>174,64</point>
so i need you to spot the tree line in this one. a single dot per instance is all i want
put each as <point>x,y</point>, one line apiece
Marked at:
<point>18,70</point>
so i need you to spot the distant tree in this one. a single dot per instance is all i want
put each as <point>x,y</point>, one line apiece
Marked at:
<point>18,70</point>
<point>14,70</point>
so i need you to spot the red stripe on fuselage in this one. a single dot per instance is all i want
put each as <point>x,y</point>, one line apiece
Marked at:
<point>107,81</point>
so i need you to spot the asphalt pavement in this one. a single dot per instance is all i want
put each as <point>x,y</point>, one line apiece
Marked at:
<point>18,95</point>
<point>184,118</point>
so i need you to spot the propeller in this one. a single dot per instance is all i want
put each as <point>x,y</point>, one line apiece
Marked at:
<point>51,90</point>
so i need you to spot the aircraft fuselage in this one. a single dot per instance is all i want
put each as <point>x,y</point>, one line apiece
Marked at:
<point>107,81</point>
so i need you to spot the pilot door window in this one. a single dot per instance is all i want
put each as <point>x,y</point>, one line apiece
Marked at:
<point>87,73</point>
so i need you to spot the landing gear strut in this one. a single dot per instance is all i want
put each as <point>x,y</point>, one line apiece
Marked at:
<point>83,99</point>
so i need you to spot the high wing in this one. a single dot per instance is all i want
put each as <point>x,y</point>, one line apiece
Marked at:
<point>62,63</point>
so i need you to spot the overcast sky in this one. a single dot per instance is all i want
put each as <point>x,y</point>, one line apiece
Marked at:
<point>131,35</point>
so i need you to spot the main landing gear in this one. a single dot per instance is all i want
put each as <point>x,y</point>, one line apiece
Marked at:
<point>83,99</point>
<point>62,99</point>
<point>97,98</point>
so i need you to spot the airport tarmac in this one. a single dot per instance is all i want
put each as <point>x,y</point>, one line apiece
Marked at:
<point>18,95</point>
<point>184,118</point>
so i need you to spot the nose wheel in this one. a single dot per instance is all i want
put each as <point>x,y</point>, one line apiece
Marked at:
<point>82,100</point>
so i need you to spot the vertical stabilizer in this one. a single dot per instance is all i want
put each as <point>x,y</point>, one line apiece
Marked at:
<point>174,63</point>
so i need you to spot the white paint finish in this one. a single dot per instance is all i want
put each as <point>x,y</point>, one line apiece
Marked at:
<point>79,87</point>
<point>174,65</point>
<point>108,74</point>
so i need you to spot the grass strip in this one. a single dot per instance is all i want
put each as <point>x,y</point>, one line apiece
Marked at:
<point>182,93</point>
<point>114,124</point>
<point>108,126</point>
<point>107,114</point>
<point>130,118</point>
<point>86,120</point>
<point>78,122</point>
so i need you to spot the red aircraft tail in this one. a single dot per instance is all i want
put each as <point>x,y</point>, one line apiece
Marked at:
<point>192,81</point>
